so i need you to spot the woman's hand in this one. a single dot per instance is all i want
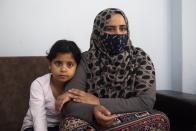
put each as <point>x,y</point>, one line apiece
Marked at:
<point>62,99</point>
<point>83,97</point>
<point>103,116</point>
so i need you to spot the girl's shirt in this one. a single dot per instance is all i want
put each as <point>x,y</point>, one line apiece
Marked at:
<point>41,113</point>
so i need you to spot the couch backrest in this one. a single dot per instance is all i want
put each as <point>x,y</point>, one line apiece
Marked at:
<point>16,75</point>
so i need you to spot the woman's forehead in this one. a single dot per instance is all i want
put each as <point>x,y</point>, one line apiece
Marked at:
<point>116,19</point>
<point>104,17</point>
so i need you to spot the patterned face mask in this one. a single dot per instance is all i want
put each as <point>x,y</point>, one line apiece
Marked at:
<point>113,43</point>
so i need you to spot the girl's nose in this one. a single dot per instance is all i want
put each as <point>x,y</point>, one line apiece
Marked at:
<point>64,68</point>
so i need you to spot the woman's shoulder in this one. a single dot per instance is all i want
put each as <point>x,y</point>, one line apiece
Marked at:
<point>84,54</point>
<point>141,56</point>
<point>139,52</point>
<point>84,62</point>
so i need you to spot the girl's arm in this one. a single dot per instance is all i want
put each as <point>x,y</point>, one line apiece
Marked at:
<point>37,106</point>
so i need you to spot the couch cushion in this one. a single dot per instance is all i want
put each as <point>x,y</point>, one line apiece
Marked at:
<point>17,73</point>
<point>180,108</point>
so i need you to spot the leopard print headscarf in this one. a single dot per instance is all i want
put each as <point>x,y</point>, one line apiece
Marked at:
<point>123,75</point>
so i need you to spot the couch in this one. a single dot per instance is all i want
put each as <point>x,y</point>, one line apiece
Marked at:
<point>17,73</point>
<point>179,107</point>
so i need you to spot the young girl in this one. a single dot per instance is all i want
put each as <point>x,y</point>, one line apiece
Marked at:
<point>63,58</point>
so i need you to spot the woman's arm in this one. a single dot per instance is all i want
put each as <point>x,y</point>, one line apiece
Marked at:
<point>37,107</point>
<point>80,110</point>
<point>142,102</point>
<point>79,79</point>
<point>145,86</point>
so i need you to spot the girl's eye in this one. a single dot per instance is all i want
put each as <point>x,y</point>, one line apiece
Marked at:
<point>70,64</point>
<point>58,63</point>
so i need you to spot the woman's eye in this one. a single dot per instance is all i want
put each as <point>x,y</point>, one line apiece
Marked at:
<point>123,28</point>
<point>109,29</point>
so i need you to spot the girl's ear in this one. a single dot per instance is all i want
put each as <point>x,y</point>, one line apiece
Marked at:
<point>49,65</point>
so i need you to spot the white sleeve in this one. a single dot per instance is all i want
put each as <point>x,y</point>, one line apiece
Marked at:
<point>37,107</point>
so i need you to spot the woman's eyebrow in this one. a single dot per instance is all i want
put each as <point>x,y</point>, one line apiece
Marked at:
<point>108,26</point>
<point>115,25</point>
<point>123,25</point>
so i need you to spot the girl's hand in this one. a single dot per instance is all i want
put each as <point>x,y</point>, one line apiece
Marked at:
<point>83,97</point>
<point>62,99</point>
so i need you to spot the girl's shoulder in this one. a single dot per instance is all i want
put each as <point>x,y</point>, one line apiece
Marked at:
<point>42,80</point>
<point>40,88</point>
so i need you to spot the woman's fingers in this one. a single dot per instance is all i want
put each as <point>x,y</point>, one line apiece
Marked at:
<point>107,120</point>
<point>103,110</point>
<point>77,92</point>
<point>77,95</point>
<point>103,116</point>
<point>78,100</point>
<point>110,120</point>
<point>83,97</point>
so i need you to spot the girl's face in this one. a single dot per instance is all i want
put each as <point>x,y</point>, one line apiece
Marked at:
<point>63,67</point>
<point>116,25</point>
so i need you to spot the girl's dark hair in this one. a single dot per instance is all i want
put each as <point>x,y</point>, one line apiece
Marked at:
<point>64,46</point>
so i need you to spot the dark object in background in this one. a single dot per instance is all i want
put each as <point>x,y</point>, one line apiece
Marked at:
<point>179,107</point>
<point>17,73</point>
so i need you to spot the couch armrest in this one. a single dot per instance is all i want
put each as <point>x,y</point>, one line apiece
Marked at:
<point>180,108</point>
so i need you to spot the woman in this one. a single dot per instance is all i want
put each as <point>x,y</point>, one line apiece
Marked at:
<point>114,85</point>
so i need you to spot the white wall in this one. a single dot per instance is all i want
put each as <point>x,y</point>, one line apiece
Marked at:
<point>30,27</point>
<point>176,45</point>
<point>189,45</point>
<point>183,37</point>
